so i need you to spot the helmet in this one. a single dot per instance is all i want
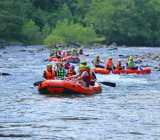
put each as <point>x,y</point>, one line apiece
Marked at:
<point>84,68</point>
<point>49,65</point>
<point>81,66</point>
<point>130,58</point>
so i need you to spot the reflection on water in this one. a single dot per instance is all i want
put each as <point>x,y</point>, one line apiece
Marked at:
<point>129,111</point>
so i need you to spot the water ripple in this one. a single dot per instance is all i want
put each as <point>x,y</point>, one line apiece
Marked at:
<point>129,111</point>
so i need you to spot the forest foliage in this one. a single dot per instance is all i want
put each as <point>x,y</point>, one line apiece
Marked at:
<point>129,22</point>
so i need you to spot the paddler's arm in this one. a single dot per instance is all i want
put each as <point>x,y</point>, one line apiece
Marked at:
<point>73,77</point>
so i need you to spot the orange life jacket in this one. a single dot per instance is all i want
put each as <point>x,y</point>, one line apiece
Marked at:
<point>118,66</point>
<point>109,64</point>
<point>49,74</point>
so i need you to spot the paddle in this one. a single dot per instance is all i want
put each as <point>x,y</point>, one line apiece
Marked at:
<point>108,84</point>
<point>37,83</point>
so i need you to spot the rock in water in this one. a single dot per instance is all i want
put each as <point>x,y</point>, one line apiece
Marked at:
<point>4,74</point>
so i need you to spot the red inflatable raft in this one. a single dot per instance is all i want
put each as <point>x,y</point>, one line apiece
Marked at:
<point>54,59</point>
<point>67,87</point>
<point>70,59</point>
<point>125,71</point>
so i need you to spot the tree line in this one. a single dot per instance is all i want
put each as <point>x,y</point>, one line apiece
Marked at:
<point>129,22</point>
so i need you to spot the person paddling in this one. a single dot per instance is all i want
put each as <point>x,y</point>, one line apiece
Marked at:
<point>131,63</point>
<point>119,66</point>
<point>97,62</point>
<point>80,51</point>
<point>71,71</point>
<point>61,73</point>
<point>49,73</point>
<point>86,77</point>
<point>109,64</point>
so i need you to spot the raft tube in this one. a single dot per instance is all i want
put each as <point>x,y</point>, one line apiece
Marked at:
<point>58,87</point>
<point>70,59</point>
<point>124,71</point>
<point>101,70</point>
<point>54,59</point>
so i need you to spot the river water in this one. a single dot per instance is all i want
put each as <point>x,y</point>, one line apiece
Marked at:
<point>129,111</point>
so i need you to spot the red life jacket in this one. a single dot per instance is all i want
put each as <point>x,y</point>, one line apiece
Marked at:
<point>109,64</point>
<point>49,74</point>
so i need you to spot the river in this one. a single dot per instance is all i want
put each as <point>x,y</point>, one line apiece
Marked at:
<point>129,111</point>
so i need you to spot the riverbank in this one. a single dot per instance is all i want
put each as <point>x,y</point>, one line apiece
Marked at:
<point>4,43</point>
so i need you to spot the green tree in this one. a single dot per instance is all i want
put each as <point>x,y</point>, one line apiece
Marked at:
<point>31,32</point>
<point>100,17</point>
<point>131,22</point>
<point>12,16</point>
<point>69,32</point>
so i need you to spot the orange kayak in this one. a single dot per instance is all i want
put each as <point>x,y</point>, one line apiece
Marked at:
<point>70,59</point>
<point>67,87</point>
<point>124,71</point>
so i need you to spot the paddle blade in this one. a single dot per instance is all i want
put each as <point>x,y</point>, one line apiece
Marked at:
<point>37,83</point>
<point>108,84</point>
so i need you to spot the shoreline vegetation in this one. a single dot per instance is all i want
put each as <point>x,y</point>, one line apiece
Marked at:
<point>72,45</point>
<point>84,22</point>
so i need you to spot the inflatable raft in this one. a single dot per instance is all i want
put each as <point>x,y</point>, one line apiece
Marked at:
<point>67,87</point>
<point>54,59</point>
<point>124,71</point>
<point>70,59</point>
